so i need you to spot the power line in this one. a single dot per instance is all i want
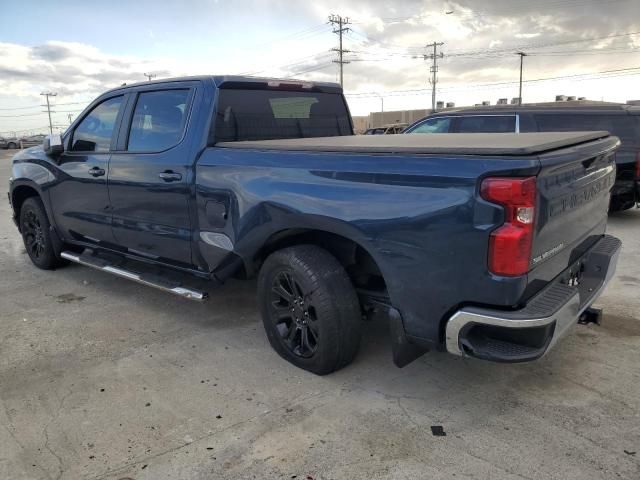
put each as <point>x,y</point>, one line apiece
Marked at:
<point>23,115</point>
<point>408,51</point>
<point>340,30</point>
<point>311,69</point>
<point>301,61</point>
<point>532,46</point>
<point>299,35</point>
<point>38,106</point>
<point>581,76</point>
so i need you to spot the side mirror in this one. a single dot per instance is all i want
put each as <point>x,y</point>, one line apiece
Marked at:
<point>52,145</point>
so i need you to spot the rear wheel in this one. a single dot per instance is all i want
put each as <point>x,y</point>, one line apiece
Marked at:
<point>36,235</point>
<point>310,309</point>
<point>12,145</point>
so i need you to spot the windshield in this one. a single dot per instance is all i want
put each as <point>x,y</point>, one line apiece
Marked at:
<point>275,114</point>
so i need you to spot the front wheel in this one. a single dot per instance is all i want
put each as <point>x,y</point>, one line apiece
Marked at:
<point>34,226</point>
<point>310,309</point>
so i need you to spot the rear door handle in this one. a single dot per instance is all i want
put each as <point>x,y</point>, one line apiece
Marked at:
<point>169,176</point>
<point>96,172</point>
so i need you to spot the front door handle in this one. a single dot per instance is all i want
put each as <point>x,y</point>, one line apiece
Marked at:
<point>169,176</point>
<point>96,172</point>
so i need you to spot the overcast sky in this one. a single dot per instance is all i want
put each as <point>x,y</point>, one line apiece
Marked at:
<point>81,48</point>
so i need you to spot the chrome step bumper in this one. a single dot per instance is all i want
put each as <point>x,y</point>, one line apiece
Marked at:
<point>485,333</point>
<point>149,280</point>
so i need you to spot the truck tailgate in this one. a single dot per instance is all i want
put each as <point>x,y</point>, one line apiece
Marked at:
<point>574,187</point>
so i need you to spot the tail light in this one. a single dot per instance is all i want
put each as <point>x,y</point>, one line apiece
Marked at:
<point>638,165</point>
<point>510,244</point>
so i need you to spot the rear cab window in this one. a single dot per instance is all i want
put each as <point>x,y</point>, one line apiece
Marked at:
<point>264,114</point>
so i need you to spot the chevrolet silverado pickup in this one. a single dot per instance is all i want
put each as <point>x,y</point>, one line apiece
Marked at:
<point>482,245</point>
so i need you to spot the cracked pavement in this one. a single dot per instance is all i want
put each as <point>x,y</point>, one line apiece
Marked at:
<point>101,378</point>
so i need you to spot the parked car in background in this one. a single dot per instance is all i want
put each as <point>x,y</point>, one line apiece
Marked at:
<point>620,120</point>
<point>31,140</point>
<point>10,143</point>
<point>387,129</point>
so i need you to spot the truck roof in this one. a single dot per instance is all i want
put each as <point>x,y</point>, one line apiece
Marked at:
<point>244,80</point>
<point>508,144</point>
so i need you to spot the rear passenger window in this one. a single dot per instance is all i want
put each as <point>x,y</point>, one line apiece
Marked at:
<point>94,132</point>
<point>158,120</point>
<point>623,126</point>
<point>486,124</point>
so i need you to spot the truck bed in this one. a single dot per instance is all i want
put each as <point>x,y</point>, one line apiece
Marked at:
<point>485,144</point>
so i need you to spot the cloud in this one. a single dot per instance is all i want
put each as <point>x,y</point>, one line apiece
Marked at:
<point>67,68</point>
<point>50,52</point>
<point>387,44</point>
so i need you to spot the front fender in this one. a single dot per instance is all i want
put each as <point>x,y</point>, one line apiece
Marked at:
<point>31,169</point>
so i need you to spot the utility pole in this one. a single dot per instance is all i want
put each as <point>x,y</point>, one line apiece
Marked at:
<point>522,55</point>
<point>70,117</point>
<point>48,105</point>
<point>434,69</point>
<point>339,28</point>
<point>150,75</point>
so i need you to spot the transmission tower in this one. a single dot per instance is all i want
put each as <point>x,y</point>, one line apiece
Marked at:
<point>48,105</point>
<point>434,57</point>
<point>339,27</point>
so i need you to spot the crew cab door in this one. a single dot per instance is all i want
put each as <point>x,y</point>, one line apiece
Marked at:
<point>79,198</point>
<point>149,174</point>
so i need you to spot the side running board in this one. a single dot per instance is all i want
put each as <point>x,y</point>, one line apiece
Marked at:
<point>145,279</point>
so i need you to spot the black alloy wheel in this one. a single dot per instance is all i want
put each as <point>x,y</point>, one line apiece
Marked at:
<point>34,240</point>
<point>36,235</point>
<point>310,310</point>
<point>294,315</point>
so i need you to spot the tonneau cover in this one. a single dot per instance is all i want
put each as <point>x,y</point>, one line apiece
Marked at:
<point>434,143</point>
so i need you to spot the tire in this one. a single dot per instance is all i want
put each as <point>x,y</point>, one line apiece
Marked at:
<point>322,333</point>
<point>11,146</point>
<point>36,235</point>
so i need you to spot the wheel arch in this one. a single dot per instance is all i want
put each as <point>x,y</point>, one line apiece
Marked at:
<point>19,194</point>
<point>361,266</point>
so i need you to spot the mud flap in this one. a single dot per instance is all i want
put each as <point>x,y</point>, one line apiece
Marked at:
<point>56,241</point>
<point>403,351</point>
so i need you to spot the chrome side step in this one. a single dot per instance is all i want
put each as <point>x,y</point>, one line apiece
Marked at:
<point>149,280</point>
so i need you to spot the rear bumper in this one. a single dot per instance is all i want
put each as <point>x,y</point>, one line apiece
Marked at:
<point>527,334</point>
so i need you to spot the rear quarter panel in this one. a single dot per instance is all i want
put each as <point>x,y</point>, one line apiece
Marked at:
<point>418,216</point>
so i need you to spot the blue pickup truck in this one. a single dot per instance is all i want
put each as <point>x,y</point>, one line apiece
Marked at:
<point>483,245</point>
